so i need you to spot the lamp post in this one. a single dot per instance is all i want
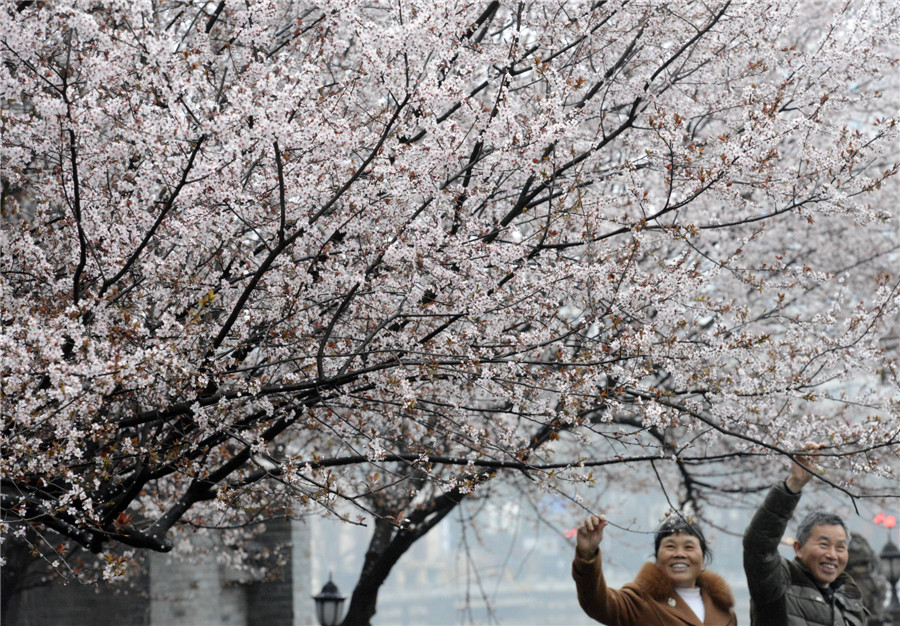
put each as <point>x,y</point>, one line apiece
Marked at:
<point>329,604</point>
<point>890,562</point>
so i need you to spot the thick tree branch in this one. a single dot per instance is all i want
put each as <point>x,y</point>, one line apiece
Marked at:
<point>76,208</point>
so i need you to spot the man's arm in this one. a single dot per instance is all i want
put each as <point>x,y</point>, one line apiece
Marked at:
<point>766,579</point>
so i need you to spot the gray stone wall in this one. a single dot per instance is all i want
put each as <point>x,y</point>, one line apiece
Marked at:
<point>78,605</point>
<point>272,601</point>
<point>179,592</point>
<point>192,593</point>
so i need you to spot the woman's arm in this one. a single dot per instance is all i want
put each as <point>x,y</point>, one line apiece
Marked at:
<point>590,534</point>
<point>610,606</point>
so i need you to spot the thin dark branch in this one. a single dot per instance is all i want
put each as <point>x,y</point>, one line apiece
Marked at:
<point>162,215</point>
<point>282,205</point>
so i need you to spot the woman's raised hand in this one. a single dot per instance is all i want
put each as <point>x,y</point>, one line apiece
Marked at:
<point>590,534</point>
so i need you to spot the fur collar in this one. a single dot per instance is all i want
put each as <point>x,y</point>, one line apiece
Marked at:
<point>658,586</point>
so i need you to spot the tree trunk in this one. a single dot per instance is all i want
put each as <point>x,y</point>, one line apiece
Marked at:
<point>388,544</point>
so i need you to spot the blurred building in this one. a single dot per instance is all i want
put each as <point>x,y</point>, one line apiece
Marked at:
<point>176,592</point>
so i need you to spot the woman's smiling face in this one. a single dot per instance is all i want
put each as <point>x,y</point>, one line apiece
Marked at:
<point>681,559</point>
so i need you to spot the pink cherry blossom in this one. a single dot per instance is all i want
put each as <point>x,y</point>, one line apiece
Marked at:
<point>442,243</point>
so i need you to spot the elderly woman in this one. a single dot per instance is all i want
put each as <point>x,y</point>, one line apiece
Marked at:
<point>675,589</point>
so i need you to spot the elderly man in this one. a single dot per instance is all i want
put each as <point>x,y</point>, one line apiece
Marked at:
<point>811,589</point>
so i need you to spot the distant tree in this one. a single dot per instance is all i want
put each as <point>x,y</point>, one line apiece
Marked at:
<point>273,255</point>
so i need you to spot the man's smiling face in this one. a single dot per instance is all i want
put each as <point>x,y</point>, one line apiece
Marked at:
<point>824,553</point>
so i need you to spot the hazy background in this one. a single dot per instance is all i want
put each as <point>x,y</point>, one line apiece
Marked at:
<point>509,563</point>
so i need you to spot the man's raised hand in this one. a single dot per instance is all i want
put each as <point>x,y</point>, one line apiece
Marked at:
<point>803,467</point>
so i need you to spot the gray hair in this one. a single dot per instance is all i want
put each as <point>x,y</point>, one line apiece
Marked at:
<point>820,518</point>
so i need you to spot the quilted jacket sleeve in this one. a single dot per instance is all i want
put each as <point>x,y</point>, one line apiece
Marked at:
<point>767,579</point>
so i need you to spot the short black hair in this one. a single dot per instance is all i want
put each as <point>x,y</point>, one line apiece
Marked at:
<point>819,518</point>
<point>676,524</point>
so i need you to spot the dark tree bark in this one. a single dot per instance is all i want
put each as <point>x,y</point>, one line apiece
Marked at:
<point>390,541</point>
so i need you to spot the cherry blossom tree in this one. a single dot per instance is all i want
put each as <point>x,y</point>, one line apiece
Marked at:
<point>273,255</point>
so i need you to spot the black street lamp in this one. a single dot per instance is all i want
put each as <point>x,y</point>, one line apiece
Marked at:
<point>890,562</point>
<point>329,604</point>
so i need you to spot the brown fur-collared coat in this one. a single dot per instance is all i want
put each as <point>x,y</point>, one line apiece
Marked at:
<point>650,600</point>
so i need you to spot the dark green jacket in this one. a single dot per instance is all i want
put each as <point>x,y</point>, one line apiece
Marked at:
<point>783,592</point>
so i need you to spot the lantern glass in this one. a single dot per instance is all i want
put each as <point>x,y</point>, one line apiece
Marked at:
<point>329,611</point>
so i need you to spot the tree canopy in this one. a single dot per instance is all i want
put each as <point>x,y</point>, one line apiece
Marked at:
<point>276,254</point>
